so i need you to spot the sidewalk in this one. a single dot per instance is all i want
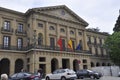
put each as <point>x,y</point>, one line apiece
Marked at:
<point>109,78</point>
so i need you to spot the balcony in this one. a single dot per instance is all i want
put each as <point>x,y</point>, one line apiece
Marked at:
<point>54,48</point>
<point>101,56</point>
<point>43,47</point>
<point>7,31</point>
<point>20,33</point>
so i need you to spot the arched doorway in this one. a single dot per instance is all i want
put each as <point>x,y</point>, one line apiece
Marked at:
<point>18,65</point>
<point>92,64</point>
<point>4,66</point>
<point>54,64</point>
<point>97,64</point>
<point>108,64</point>
<point>103,64</point>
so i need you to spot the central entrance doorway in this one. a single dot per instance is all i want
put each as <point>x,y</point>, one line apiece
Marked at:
<point>65,63</point>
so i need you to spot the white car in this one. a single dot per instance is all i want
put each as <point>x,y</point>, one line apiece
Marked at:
<point>61,74</point>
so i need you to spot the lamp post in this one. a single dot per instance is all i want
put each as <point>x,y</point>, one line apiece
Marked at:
<point>34,38</point>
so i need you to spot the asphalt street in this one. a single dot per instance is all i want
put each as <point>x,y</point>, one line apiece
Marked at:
<point>102,78</point>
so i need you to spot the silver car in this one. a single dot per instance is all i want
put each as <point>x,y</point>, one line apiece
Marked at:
<point>61,74</point>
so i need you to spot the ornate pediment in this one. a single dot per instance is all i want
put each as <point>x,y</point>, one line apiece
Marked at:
<point>62,12</point>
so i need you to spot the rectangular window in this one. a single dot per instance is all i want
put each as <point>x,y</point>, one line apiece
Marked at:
<point>63,44</point>
<point>28,60</point>
<point>84,61</point>
<point>20,27</point>
<point>90,49</point>
<point>88,39</point>
<point>7,25</point>
<point>100,41</point>
<point>96,51</point>
<point>42,59</point>
<point>40,25</point>
<point>95,40</point>
<point>73,44</point>
<point>52,43</point>
<point>80,42</point>
<point>19,43</point>
<point>6,41</point>
<point>102,51</point>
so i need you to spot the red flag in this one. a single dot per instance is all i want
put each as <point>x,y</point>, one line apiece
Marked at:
<point>59,42</point>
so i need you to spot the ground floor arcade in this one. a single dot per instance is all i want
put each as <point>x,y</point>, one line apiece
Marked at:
<point>12,62</point>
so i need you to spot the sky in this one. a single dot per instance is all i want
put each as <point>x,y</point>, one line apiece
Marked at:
<point>98,13</point>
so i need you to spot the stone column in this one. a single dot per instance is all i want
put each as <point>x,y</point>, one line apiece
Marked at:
<point>77,37</point>
<point>58,31</point>
<point>12,66</point>
<point>85,41</point>
<point>48,65</point>
<point>46,33</point>
<point>68,36</point>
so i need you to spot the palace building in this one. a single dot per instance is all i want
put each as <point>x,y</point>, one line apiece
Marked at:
<point>49,38</point>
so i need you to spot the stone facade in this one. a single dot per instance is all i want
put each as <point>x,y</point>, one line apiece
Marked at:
<point>29,41</point>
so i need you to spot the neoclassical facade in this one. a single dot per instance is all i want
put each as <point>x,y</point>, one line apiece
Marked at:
<point>29,41</point>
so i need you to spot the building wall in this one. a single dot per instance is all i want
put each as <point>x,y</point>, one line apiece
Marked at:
<point>51,24</point>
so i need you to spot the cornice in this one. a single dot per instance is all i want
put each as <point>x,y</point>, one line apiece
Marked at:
<point>11,11</point>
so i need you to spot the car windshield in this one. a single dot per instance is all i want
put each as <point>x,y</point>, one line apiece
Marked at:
<point>69,70</point>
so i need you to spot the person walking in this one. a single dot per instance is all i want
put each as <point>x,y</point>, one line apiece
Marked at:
<point>40,73</point>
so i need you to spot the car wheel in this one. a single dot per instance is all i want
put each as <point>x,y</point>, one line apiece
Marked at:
<point>81,77</point>
<point>98,78</point>
<point>92,77</point>
<point>47,78</point>
<point>63,78</point>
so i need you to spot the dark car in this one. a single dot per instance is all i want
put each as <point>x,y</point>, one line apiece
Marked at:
<point>24,76</point>
<point>87,74</point>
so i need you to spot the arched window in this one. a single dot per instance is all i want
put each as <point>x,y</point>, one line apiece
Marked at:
<point>71,32</point>
<point>52,28</point>
<point>62,30</point>
<point>40,39</point>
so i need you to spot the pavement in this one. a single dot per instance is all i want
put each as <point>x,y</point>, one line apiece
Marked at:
<point>102,78</point>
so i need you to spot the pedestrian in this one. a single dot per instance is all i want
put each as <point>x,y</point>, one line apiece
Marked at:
<point>4,77</point>
<point>40,72</point>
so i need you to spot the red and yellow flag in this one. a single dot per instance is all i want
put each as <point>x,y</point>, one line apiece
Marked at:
<point>70,44</point>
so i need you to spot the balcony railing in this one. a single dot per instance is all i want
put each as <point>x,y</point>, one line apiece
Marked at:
<point>7,31</point>
<point>101,55</point>
<point>44,47</point>
<point>20,33</point>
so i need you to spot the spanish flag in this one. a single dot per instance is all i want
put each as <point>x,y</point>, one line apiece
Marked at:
<point>70,44</point>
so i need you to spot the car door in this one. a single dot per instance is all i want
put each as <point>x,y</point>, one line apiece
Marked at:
<point>54,75</point>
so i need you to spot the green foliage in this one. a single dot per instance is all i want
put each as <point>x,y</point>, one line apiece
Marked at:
<point>117,25</point>
<point>112,43</point>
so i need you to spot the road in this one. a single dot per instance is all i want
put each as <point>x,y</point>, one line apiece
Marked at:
<point>102,78</point>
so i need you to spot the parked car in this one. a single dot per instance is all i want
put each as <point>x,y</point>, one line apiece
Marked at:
<point>61,74</point>
<point>87,74</point>
<point>119,74</point>
<point>24,76</point>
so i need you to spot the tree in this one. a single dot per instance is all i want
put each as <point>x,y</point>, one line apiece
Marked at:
<point>117,25</point>
<point>112,44</point>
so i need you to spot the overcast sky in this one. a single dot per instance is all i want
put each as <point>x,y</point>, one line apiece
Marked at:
<point>98,13</point>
